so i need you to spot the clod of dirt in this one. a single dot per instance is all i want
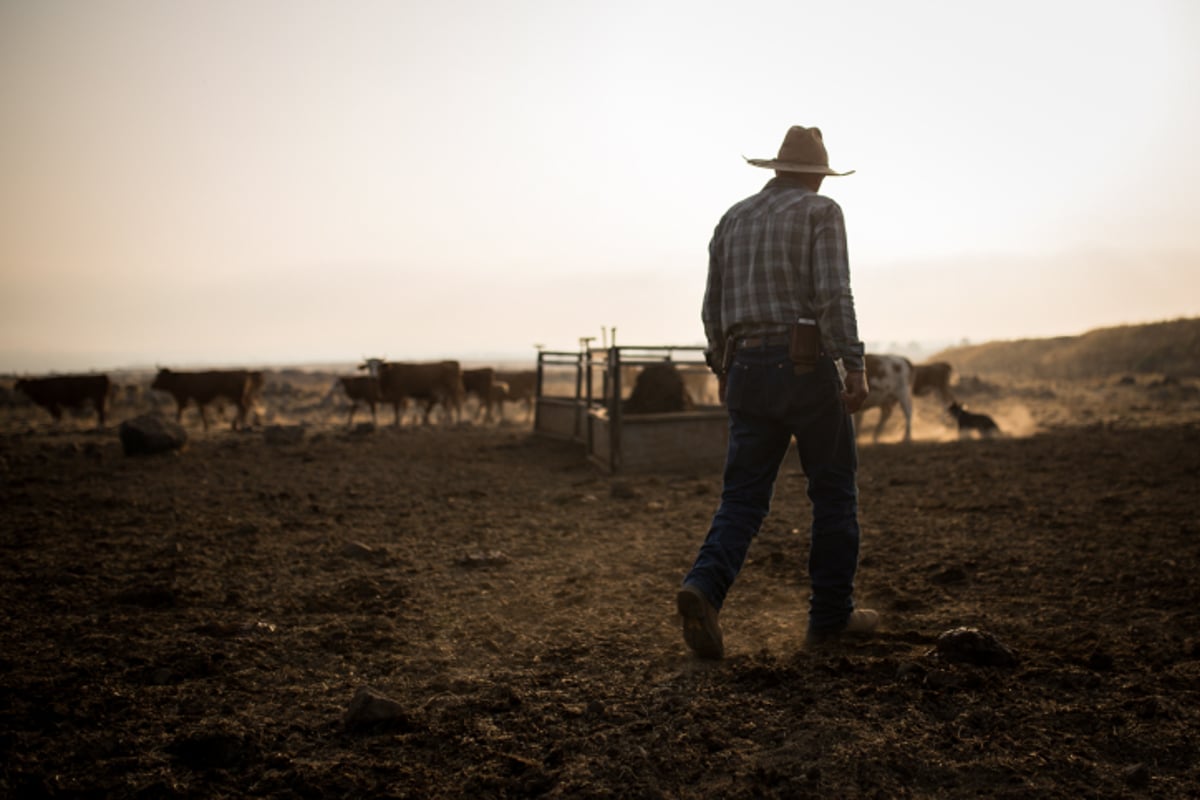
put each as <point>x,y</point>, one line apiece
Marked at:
<point>211,750</point>
<point>951,575</point>
<point>371,708</point>
<point>358,550</point>
<point>973,646</point>
<point>151,433</point>
<point>490,558</point>
<point>148,596</point>
<point>1137,776</point>
<point>623,490</point>
<point>1100,661</point>
<point>283,434</point>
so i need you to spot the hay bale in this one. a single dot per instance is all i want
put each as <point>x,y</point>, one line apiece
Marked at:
<point>659,389</point>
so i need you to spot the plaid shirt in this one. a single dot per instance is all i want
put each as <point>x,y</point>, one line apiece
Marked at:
<point>777,256</point>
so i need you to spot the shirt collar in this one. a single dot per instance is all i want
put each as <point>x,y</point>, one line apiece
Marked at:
<point>786,182</point>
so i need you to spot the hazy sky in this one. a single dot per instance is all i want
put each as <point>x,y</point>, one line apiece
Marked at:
<point>252,182</point>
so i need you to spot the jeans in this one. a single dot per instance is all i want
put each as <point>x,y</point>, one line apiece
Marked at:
<point>769,404</point>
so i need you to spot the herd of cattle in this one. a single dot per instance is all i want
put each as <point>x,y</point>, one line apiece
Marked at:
<point>385,383</point>
<point>443,383</point>
<point>893,381</point>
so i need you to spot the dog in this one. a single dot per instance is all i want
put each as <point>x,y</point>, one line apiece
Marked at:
<point>969,421</point>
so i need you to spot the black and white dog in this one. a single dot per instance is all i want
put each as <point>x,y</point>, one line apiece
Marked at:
<point>969,421</point>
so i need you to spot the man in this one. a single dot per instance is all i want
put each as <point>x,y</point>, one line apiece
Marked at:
<point>775,258</point>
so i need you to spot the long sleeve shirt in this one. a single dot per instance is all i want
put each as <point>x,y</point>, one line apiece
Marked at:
<point>777,256</point>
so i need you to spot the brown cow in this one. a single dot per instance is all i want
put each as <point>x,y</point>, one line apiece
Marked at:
<point>429,382</point>
<point>497,396</point>
<point>933,377</point>
<point>254,392</point>
<point>364,388</point>
<point>239,386</point>
<point>522,386</point>
<point>479,383</point>
<point>67,391</point>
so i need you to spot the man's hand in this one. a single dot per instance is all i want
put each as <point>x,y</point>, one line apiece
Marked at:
<point>856,391</point>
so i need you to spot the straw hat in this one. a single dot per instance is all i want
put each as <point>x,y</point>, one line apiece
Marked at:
<point>802,151</point>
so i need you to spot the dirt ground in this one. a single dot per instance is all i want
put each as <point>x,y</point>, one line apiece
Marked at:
<point>198,624</point>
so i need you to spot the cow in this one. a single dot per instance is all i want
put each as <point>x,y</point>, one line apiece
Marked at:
<point>522,386</point>
<point>889,379</point>
<point>129,394</point>
<point>68,391</point>
<point>239,386</point>
<point>497,395</point>
<point>430,382</point>
<point>933,377</point>
<point>372,365</point>
<point>364,388</point>
<point>254,392</point>
<point>478,382</point>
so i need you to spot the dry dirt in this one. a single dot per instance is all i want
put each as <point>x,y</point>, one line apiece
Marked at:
<point>197,625</point>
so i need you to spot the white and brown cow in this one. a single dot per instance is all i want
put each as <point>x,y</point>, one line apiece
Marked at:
<point>890,380</point>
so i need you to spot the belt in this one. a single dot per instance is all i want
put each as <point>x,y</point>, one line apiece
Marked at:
<point>769,340</point>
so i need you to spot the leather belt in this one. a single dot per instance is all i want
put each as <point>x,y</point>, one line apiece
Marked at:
<point>769,340</point>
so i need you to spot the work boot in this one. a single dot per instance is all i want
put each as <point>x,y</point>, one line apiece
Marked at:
<point>701,631</point>
<point>861,622</point>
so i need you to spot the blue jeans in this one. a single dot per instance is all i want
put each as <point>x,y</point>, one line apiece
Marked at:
<point>769,404</point>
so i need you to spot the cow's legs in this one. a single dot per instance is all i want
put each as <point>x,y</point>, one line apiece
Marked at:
<point>906,407</point>
<point>885,413</point>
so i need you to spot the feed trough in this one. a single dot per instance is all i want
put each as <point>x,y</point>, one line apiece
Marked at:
<point>594,397</point>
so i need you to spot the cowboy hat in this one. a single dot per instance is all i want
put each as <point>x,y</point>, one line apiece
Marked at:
<point>802,151</point>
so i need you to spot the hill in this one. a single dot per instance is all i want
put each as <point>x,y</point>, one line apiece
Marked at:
<point>1160,348</point>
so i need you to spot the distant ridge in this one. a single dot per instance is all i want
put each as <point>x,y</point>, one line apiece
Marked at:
<point>1159,348</point>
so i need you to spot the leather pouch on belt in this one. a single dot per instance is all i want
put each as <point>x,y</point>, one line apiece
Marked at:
<point>727,355</point>
<point>804,345</point>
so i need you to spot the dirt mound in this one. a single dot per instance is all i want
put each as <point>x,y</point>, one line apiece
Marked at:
<point>1164,348</point>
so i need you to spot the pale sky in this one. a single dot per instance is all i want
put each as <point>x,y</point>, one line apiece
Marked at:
<point>294,181</point>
